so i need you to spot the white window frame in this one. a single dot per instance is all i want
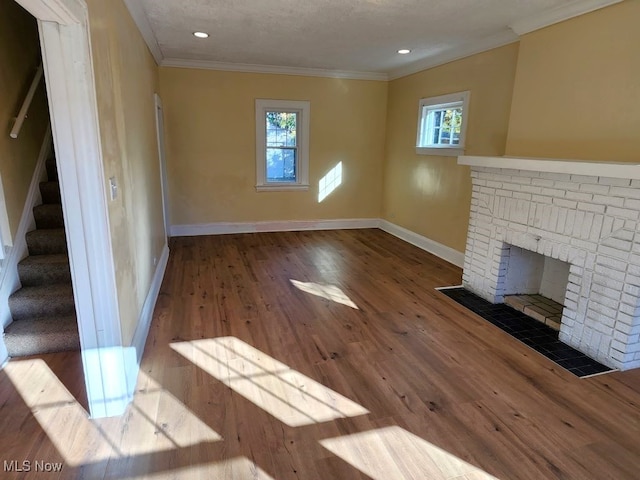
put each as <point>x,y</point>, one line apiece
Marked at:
<point>302,108</point>
<point>457,100</point>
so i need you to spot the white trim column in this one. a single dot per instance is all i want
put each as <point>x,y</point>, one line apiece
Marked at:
<point>68,66</point>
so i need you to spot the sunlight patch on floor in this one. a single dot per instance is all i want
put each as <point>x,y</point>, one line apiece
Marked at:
<point>286,394</point>
<point>393,452</point>
<point>238,468</point>
<point>155,421</point>
<point>329,292</point>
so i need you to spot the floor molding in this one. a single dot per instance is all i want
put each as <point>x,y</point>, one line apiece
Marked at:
<point>223,228</point>
<point>439,250</point>
<point>133,354</point>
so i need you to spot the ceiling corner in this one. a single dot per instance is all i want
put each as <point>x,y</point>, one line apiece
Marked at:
<point>136,10</point>
<point>558,14</point>
<point>466,50</point>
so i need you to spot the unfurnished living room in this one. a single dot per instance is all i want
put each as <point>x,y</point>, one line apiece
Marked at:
<point>320,240</point>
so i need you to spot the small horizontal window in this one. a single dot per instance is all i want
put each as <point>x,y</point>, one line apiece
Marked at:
<point>442,124</point>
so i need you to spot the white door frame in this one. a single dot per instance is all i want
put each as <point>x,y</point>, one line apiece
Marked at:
<point>163,165</point>
<point>68,67</point>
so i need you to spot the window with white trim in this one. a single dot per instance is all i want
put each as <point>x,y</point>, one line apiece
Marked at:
<point>282,145</point>
<point>442,123</point>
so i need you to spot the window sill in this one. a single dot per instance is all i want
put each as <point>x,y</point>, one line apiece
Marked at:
<point>439,151</point>
<point>282,187</point>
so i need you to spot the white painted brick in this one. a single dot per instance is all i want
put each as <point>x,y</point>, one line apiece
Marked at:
<point>608,314</point>
<point>608,200</point>
<point>584,244</point>
<point>577,226</point>
<point>584,179</point>
<point>617,243</point>
<point>613,252</point>
<point>591,207</point>
<point>596,228</point>
<point>626,192</point>
<point>616,182</point>
<point>542,182</point>
<point>610,290</point>
<point>632,203</point>
<point>622,212</point>
<point>578,196</point>
<point>541,199</point>
<point>619,346</point>
<point>522,196</point>
<point>621,337</point>
<point>613,275</point>
<point>593,188</point>
<point>561,202</point>
<point>558,177</point>
<point>629,299</point>
<point>552,192</point>
<point>585,228</point>
<point>531,189</point>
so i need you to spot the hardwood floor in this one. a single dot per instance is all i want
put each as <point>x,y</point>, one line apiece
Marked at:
<point>323,355</point>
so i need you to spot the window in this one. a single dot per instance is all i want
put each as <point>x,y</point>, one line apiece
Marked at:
<point>282,145</point>
<point>442,124</point>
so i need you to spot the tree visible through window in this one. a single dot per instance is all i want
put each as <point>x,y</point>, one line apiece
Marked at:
<point>442,125</point>
<point>282,147</point>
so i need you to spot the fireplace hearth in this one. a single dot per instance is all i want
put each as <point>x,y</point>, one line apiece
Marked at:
<point>584,215</point>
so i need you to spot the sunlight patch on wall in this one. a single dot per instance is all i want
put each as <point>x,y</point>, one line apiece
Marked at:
<point>329,292</point>
<point>331,181</point>
<point>392,452</point>
<point>154,415</point>
<point>286,394</point>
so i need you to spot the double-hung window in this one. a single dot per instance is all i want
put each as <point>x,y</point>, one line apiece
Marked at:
<point>282,145</point>
<point>442,123</point>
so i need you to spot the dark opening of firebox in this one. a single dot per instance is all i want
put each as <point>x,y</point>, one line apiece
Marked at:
<point>536,285</point>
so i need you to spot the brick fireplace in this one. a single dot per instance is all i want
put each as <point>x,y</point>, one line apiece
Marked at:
<point>583,214</point>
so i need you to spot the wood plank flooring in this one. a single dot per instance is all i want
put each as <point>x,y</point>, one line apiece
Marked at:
<point>323,355</point>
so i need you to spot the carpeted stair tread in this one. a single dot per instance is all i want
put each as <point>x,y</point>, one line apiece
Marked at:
<point>48,215</point>
<point>44,270</point>
<point>52,169</point>
<point>42,335</point>
<point>42,301</point>
<point>46,242</point>
<point>50,192</point>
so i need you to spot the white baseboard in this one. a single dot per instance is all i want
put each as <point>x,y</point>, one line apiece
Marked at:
<point>9,279</point>
<point>439,250</point>
<point>274,226</point>
<point>446,253</point>
<point>133,354</point>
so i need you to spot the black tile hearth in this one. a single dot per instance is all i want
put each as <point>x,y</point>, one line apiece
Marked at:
<point>536,335</point>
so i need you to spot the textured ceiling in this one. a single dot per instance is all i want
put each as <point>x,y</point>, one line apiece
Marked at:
<point>342,35</point>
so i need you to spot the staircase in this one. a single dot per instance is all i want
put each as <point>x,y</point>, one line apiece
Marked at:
<point>43,310</point>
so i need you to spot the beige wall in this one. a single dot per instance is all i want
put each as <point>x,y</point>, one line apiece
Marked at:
<point>126,79</point>
<point>210,138</point>
<point>577,90</point>
<point>19,58</point>
<point>431,195</point>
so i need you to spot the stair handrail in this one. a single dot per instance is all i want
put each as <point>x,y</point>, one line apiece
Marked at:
<point>22,115</point>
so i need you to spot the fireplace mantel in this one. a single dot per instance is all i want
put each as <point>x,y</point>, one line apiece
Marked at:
<point>576,167</point>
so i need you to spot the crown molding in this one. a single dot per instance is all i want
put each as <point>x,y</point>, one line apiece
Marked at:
<point>272,69</point>
<point>465,50</point>
<point>136,10</point>
<point>558,14</point>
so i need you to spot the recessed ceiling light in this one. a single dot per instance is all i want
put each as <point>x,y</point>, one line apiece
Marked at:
<point>404,51</point>
<point>200,34</point>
